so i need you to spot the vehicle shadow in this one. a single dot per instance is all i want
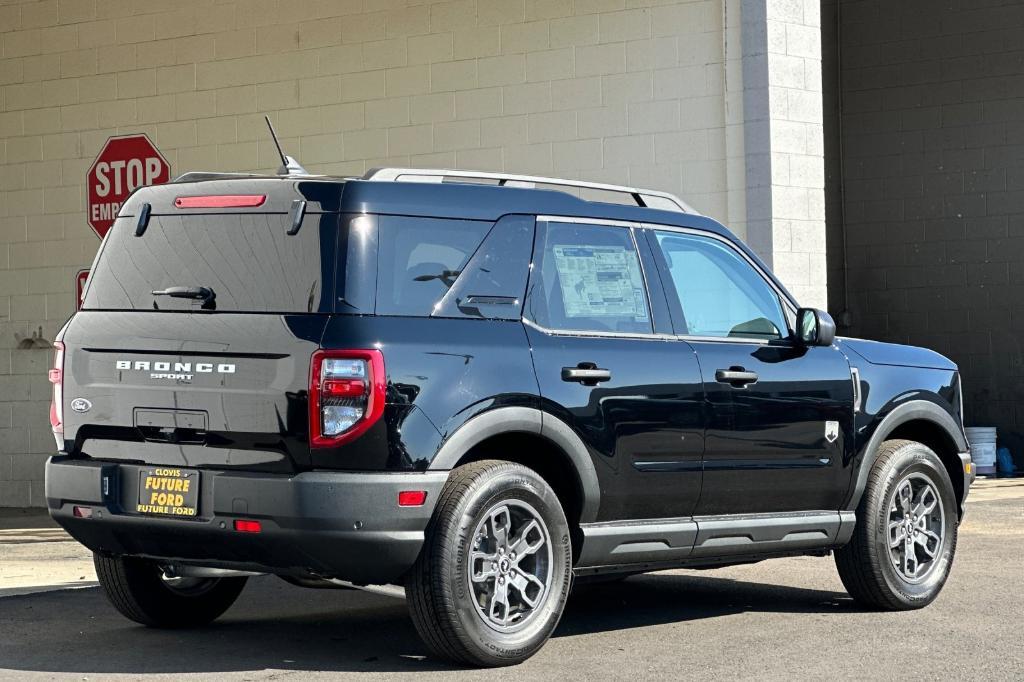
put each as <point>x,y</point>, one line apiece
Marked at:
<point>277,626</point>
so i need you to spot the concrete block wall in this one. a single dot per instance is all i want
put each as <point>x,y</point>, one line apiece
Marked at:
<point>932,139</point>
<point>624,91</point>
<point>784,142</point>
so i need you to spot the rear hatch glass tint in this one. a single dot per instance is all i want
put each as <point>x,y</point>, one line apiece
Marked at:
<point>248,260</point>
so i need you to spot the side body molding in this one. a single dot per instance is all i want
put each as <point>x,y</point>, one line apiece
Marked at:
<point>909,411</point>
<point>525,420</point>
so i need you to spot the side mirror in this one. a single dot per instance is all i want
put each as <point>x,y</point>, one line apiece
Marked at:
<point>815,327</point>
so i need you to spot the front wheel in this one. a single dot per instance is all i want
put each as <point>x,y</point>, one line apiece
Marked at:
<point>902,548</point>
<point>489,586</point>
<point>139,589</point>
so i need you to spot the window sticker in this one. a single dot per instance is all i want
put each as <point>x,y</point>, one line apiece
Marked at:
<point>600,281</point>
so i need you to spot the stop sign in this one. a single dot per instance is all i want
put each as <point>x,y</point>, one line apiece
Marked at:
<point>125,163</point>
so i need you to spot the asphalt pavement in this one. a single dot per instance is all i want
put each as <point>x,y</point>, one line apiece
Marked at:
<point>780,619</point>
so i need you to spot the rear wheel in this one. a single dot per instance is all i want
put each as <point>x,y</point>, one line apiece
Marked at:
<point>139,589</point>
<point>902,549</point>
<point>490,584</point>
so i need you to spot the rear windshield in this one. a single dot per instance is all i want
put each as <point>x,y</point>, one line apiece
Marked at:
<point>248,261</point>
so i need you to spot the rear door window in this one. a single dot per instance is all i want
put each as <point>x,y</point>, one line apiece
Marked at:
<point>419,260</point>
<point>248,260</point>
<point>589,279</point>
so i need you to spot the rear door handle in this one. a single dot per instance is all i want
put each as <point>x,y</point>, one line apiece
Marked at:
<point>735,376</point>
<point>586,373</point>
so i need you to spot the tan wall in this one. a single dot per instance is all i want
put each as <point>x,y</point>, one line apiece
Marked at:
<point>624,91</point>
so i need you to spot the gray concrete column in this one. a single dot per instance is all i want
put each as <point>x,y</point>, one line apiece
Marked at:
<point>783,141</point>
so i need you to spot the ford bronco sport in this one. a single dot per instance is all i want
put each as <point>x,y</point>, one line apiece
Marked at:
<point>478,387</point>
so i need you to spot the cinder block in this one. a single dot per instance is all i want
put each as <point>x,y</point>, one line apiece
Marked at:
<point>238,100</point>
<point>431,48</point>
<point>365,144</point>
<point>456,135</point>
<point>530,159</point>
<point>385,113</point>
<point>502,70</point>
<point>14,494</point>
<point>341,117</point>
<point>453,76</point>
<point>359,87</point>
<point>438,106</point>
<point>320,90</point>
<point>450,16</point>
<point>498,12</point>
<point>481,41</point>
<point>504,131</point>
<point>656,53</point>
<point>576,93</point>
<point>409,140</point>
<point>407,21</point>
<point>78,63</point>
<point>526,98</point>
<point>380,54</point>
<point>575,31</point>
<point>190,106</point>
<point>552,126</point>
<point>596,60</point>
<point>481,159</point>
<point>408,80</point>
<point>629,150</point>
<point>626,87</point>
<point>478,103</point>
<point>633,24</point>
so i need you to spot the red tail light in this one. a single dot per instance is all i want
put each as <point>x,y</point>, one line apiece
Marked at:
<point>248,526</point>
<point>57,405</point>
<point>346,395</point>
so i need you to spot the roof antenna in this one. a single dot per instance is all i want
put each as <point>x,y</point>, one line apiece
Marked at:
<point>289,166</point>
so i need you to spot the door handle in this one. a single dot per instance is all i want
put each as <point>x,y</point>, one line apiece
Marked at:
<point>735,376</point>
<point>586,373</point>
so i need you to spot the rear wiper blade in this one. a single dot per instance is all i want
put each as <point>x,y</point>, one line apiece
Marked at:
<point>204,294</point>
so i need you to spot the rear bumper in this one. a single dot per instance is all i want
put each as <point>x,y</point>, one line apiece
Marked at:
<point>318,523</point>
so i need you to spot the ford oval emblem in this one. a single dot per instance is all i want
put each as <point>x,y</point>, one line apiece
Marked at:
<point>81,405</point>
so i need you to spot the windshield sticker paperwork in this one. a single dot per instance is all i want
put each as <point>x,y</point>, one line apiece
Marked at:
<point>600,281</point>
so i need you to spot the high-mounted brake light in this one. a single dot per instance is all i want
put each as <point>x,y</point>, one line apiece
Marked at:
<point>56,376</point>
<point>221,201</point>
<point>346,395</point>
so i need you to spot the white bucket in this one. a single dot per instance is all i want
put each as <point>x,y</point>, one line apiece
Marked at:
<point>983,446</point>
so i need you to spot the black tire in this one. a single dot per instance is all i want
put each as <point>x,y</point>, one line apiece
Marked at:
<point>137,589</point>
<point>442,599</point>
<point>867,569</point>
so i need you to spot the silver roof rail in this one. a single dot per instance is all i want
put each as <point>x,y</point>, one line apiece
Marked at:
<point>643,197</point>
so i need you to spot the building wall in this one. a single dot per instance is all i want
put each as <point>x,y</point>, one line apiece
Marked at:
<point>782,86</point>
<point>931,110</point>
<point>609,90</point>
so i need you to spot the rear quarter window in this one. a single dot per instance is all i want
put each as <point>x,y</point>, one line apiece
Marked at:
<point>419,260</point>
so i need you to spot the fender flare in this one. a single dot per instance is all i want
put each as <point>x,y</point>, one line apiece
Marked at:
<point>911,410</point>
<point>525,420</point>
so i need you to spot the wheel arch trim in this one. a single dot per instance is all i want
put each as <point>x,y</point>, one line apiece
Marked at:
<point>913,410</point>
<point>504,420</point>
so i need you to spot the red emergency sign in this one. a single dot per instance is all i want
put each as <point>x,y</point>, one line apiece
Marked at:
<point>125,163</point>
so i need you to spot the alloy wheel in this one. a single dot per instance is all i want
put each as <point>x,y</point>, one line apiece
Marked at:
<point>916,527</point>
<point>510,565</point>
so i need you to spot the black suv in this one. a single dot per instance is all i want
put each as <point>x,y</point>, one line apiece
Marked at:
<point>478,387</point>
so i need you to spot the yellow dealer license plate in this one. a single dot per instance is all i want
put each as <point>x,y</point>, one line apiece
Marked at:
<point>168,491</point>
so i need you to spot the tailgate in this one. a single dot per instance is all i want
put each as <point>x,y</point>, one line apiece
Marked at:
<point>187,389</point>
